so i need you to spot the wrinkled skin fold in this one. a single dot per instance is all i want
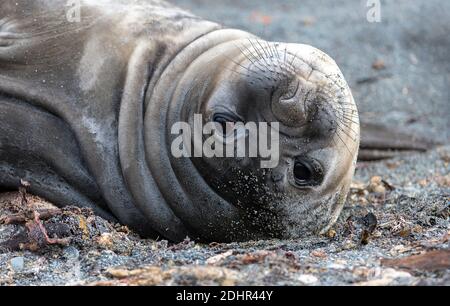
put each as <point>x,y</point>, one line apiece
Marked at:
<point>86,110</point>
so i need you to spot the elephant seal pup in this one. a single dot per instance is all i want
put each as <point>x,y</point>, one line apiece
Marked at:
<point>87,111</point>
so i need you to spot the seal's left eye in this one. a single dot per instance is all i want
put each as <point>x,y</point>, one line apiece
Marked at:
<point>226,122</point>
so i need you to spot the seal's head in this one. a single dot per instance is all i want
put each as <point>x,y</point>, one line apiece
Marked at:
<point>313,135</point>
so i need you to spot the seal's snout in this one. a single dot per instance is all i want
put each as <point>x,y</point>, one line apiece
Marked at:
<point>303,84</point>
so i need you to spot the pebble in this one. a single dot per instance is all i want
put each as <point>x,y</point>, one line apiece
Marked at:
<point>105,240</point>
<point>319,253</point>
<point>18,263</point>
<point>376,185</point>
<point>217,258</point>
<point>307,279</point>
<point>378,64</point>
<point>71,252</point>
<point>336,266</point>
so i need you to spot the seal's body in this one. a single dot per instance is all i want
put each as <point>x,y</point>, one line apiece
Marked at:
<point>86,110</point>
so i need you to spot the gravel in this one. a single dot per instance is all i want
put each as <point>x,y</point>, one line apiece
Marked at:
<point>17,264</point>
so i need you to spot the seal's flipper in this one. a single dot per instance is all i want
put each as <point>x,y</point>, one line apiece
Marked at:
<point>381,142</point>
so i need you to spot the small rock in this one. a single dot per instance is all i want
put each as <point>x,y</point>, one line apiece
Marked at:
<point>17,264</point>
<point>445,156</point>
<point>331,233</point>
<point>255,257</point>
<point>336,266</point>
<point>362,272</point>
<point>378,64</point>
<point>319,253</point>
<point>379,186</point>
<point>365,236</point>
<point>290,255</point>
<point>376,185</point>
<point>307,279</point>
<point>217,258</point>
<point>348,244</point>
<point>370,221</point>
<point>105,240</point>
<point>423,182</point>
<point>404,232</point>
<point>71,252</point>
<point>25,183</point>
<point>417,229</point>
<point>393,164</point>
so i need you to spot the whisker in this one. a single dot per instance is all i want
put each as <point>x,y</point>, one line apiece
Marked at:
<point>246,68</point>
<point>337,134</point>
<point>255,59</point>
<point>349,128</point>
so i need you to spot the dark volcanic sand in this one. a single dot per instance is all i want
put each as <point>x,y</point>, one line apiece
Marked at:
<point>410,198</point>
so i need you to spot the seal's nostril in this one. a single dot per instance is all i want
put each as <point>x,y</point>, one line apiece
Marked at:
<point>289,112</point>
<point>290,103</point>
<point>290,91</point>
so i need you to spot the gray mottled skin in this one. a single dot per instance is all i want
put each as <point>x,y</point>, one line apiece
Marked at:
<point>86,110</point>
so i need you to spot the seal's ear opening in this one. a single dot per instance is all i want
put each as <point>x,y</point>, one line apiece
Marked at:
<point>381,142</point>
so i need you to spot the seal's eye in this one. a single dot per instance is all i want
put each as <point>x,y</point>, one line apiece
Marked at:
<point>302,173</point>
<point>307,172</point>
<point>226,122</point>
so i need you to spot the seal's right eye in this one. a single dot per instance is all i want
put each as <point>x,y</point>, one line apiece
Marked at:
<point>307,172</point>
